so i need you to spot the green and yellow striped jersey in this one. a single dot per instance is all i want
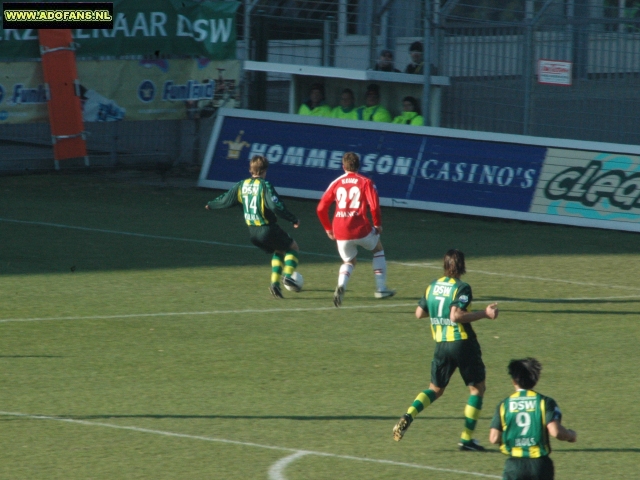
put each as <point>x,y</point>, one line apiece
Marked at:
<point>438,299</point>
<point>523,419</point>
<point>260,202</point>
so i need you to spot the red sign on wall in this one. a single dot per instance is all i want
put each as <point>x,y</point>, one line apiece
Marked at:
<point>553,72</point>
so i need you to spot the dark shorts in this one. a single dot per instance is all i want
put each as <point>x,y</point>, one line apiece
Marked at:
<point>463,354</point>
<point>270,238</point>
<point>517,468</point>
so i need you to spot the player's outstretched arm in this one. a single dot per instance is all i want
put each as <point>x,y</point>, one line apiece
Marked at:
<point>495,436</point>
<point>492,311</point>
<point>457,315</point>
<point>322,210</point>
<point>557,430</point>
<point>226,200</point>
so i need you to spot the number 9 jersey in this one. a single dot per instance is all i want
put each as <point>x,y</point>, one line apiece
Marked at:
<point>353,194</point>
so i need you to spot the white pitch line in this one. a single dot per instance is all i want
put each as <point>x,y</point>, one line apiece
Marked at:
<point>210,242</point>
<point>276,472</point>
<point>523,277</point>
<point>211,312</point>
<point>144,235</point>
<point>282,310</point>
<point>296,452</point>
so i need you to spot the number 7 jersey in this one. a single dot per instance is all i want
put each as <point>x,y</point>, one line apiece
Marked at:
<point>353,195</point>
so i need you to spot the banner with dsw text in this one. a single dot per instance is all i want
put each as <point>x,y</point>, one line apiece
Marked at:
<point>157,28</point>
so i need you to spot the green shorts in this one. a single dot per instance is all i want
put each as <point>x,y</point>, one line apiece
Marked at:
<point>270,238</point>
<point>516,468</point>
<point>463,354</point>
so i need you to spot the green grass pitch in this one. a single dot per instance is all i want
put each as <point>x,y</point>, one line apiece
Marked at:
<point>138,340</point>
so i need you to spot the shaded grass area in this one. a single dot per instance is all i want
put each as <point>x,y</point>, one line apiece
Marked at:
<point>178,344</point>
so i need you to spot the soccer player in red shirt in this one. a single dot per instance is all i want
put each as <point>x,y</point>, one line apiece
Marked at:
<point>353,195</point>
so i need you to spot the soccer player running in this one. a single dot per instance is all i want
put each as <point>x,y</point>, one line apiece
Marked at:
<point>261,204</point>
<point>522,425</point>
<point>446,302</point>
<point>353,195</point>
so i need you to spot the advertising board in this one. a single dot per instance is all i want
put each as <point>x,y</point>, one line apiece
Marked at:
<point>115,90</point>
<point>153,28</point>
<point>475,173</point>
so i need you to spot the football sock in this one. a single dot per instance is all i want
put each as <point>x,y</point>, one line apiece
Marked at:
<point>277,262</point>
<point>380,270</point>
<point>471,415</point>
<point>422,401</point>
<point>290,262</point>
<point>344,274</point>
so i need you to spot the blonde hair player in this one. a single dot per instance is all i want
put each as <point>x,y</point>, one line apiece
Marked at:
<point>260,204</point>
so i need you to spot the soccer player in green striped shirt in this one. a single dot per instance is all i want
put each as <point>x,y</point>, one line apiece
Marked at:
<point>260,204</point>
<point>522,425</point>
<point>446,302</point>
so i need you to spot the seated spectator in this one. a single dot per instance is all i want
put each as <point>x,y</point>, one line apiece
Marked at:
<point>410,113</point>
<point>372,110</point>
<point>385,62</point>
<point>347,108</point>
<point>315,105</point>
<point>417,61</point>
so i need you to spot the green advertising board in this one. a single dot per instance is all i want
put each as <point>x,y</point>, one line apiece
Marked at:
<point>156,28</point>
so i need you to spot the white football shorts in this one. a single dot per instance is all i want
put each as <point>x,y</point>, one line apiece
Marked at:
<point>348,249</point>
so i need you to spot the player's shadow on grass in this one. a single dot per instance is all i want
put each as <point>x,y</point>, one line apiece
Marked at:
<point>100,223</point>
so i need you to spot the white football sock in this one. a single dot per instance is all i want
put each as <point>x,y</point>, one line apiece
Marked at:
<point>380,270</point>
<point>344,274</point>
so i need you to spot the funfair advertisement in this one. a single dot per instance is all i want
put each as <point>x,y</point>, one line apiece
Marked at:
<point>474,173</point>
<point>116,90</point>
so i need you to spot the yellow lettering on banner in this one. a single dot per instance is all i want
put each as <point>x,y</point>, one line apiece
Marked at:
<point>53,15</point>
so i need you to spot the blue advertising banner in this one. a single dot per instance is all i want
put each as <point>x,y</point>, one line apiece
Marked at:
<point>409,167</point>
<point>568,182</point>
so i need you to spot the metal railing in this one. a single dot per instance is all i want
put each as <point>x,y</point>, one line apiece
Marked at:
<point>490,55</point>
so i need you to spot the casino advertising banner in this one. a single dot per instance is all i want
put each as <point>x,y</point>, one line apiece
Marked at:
<point>474,173</point>
<point>115,90</point>
<point>144,27</point>
<point>409,168</point>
